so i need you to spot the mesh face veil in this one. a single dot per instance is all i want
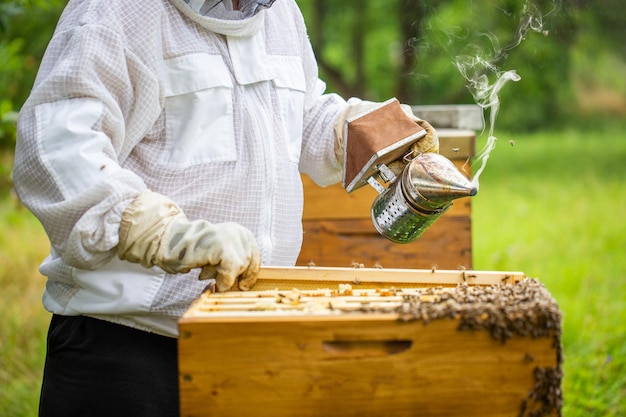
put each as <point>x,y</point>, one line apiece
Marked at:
<point>223,9</point>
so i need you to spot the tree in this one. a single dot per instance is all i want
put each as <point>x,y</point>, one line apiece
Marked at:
<point>25,29</point>
<point>438,52</point>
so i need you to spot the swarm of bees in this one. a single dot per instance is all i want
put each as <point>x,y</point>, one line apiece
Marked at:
<point>523,309</point>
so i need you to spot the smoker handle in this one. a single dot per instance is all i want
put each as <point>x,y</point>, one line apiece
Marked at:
<point>365,348</point>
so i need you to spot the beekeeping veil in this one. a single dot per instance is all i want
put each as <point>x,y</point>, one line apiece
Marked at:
<point>223,9</point>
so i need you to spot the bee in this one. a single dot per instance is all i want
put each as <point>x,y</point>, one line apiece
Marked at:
<point>512,142</point>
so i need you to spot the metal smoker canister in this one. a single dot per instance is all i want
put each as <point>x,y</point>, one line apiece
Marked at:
<point>424,191</point>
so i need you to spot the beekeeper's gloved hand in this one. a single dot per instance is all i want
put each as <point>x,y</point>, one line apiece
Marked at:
<point>155,231</point>
<point>391,119</point>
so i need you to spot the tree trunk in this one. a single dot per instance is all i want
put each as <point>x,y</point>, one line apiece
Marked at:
<point>411,15</point>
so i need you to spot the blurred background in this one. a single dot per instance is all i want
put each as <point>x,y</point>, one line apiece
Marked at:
<point>552,201</point>
<point>570,54</point>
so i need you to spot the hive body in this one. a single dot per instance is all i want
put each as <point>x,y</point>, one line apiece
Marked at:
<point>373,343</point>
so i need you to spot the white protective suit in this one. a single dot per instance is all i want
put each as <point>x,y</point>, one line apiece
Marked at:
<point>219,115</point>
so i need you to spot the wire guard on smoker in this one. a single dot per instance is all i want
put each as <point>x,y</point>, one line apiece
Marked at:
<point>413,202</point>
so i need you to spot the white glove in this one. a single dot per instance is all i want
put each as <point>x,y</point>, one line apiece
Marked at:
<point>155,231</point>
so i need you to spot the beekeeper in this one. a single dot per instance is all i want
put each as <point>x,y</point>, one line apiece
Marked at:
<point>161,146</point>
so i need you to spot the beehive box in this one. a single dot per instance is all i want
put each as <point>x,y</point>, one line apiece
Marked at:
<point>310,341</point>
<point>338,229</point>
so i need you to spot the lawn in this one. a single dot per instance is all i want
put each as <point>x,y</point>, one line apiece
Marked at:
<point>552,205</point>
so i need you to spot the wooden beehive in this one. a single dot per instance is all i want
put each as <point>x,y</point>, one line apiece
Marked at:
<point>311,341</point>
<point>338,229</point>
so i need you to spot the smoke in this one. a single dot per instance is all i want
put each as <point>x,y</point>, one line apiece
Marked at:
<point>486,96</point>
<point>481,59</point>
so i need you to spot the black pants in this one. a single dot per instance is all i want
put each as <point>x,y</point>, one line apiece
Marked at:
<point>96,368</point>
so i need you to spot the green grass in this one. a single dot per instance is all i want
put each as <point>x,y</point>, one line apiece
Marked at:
<point>552,206</point>
<point>24,322</point>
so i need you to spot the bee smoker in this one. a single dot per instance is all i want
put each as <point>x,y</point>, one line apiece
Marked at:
<point>420,194</point>
<point>413,201</point>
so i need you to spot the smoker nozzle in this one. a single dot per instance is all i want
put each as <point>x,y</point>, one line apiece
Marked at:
<point>432,180</point>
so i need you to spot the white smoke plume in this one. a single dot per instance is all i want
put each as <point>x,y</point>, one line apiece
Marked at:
<point>481,61</point>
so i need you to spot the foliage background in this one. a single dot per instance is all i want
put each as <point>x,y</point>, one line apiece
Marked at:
<point>408,49</point>
<point>571,57</point>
